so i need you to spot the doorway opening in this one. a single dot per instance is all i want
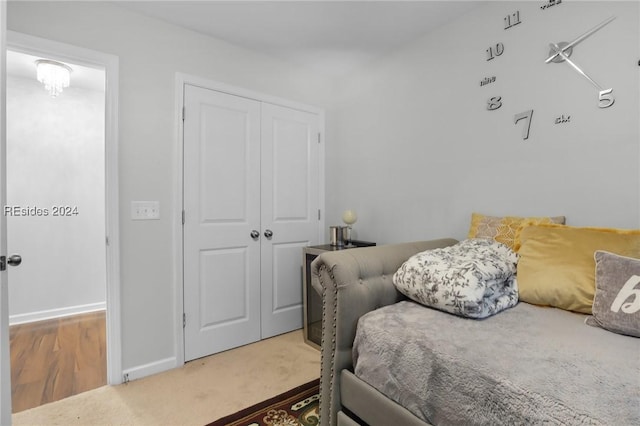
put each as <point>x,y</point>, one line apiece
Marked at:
<point>61,213</point>
<point>56,219</point>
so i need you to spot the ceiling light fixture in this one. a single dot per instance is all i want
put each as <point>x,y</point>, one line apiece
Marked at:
<point>54,75</point>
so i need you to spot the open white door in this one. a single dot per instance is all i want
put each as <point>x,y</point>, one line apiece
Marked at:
<point>5,366</point>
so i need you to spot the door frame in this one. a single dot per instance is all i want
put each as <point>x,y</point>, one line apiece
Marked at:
<point>37,46</point>
<point>180,80</point>
<point>5,362</point>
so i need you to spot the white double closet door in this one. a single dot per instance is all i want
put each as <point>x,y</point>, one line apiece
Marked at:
<point>251,200</point>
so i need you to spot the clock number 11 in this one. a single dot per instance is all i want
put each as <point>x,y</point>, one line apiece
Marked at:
<point>511,20</point>
<point>527,124</point>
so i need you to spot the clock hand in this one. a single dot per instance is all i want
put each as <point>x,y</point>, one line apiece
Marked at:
<point>560,52</point>
<point>580,38</point>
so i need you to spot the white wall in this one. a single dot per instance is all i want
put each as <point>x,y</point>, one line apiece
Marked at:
<point>150,53</point>
<point>415,151</point>
<point>55,157</point>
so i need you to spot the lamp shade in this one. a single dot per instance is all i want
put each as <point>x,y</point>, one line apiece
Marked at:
<point>349,217</point>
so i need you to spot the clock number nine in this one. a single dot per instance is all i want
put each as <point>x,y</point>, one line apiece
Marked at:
<point>526,116</point>
<point>492,53</point>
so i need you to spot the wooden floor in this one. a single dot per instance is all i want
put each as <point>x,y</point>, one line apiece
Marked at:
<point>54,359</point>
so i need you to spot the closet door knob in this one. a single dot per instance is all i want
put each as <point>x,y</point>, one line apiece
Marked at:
<point>14,260</point>
<point>255,234</point>
<point>268,233</point>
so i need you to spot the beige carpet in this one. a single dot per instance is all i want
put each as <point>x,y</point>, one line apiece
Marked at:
<point>198,393</point>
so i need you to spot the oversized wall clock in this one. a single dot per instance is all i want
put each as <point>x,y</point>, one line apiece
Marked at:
<point>559,56</point>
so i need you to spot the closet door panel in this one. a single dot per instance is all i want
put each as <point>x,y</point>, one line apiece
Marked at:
<point>222,207</point>
<point>290,170</point>
<point>290,202</point>
<point>223,163</point>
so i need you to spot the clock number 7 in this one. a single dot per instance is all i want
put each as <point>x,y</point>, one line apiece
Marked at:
<point>526,116</point>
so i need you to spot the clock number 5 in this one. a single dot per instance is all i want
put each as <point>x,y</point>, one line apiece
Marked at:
<point>605,98</point>
<point>524,116</point>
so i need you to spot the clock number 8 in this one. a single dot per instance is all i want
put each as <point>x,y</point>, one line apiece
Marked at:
<point>605,98</point>
<point>494,103</point>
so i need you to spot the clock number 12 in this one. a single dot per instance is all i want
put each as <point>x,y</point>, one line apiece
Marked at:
<point>524,116</point>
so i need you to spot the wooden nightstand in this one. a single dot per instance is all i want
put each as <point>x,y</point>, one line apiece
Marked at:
<point>312,301</point>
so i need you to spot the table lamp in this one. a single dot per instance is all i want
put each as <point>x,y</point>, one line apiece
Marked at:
<point>349,217</point>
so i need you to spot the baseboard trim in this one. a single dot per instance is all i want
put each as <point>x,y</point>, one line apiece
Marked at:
<point>56,313</point>
<point>149,369</point>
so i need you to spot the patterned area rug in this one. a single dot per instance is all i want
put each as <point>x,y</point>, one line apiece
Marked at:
<point>297,407</point>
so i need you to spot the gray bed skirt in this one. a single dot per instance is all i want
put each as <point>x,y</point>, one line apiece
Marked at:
<point>371,406</point>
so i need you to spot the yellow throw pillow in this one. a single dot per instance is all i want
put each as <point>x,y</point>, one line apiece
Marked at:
<point>505,229</point>
<point>556,265</point>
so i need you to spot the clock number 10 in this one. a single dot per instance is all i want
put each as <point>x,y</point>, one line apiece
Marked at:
<point>494,51</point>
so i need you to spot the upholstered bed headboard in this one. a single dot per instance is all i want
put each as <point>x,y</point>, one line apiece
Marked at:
<point>352,283</point>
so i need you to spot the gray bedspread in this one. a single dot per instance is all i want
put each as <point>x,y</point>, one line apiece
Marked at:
<point>526,365</point>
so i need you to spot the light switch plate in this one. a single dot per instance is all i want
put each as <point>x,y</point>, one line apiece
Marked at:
<point>145,210</point>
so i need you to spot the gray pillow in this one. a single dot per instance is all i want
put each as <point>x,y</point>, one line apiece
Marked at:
<point>616,305</point>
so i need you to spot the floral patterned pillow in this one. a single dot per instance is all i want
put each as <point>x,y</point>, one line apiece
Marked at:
<point>474,278</point>
<point>505,229</point>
